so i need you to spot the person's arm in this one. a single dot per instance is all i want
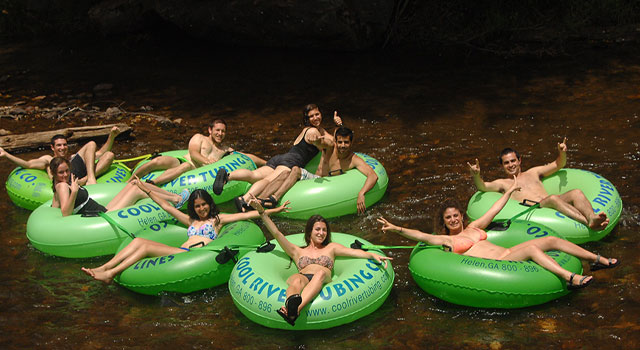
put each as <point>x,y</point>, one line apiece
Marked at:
<point>340,250</point>
<point>487,217</point>
<point>168,207</point>
<point>67,198</point>
<point>371,180</point>
<point>194,151</point>
<point>336,119</point>
<point>227,218</point>
<point>493,186</point>
<point>415,234</point>
<point>559,163</point>
<point>38,163</point>
<point>320,141</point>
<point>115,131</point>
<point>288,247</point>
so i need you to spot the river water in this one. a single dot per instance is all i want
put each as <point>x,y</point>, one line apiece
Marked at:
<point>422,117</point>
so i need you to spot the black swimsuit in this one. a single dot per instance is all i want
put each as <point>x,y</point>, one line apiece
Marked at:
<point>299,155</point>
<point>78,166</point>
<point>84,204</point>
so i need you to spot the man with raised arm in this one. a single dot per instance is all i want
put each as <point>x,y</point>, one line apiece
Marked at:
<point>83,162</point>
<point>335,161</point>
<point>203,150</point>
<point>573,203</point>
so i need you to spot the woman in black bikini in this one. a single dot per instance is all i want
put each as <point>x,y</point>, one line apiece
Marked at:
<point>71,198</point>
<point>314,261</point>
<point>311,140</point>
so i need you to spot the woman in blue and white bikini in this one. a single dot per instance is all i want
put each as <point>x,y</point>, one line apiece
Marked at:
<point>203,219</point>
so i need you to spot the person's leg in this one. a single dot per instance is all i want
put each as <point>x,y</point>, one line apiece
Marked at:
<point>172,173</point>
<point>250,176</point>
<point>312,289</point>
<point>129,195</point>
<point>581,203</point>
<point>164,194</point>
<point>555,243</point>
<point>158,163</point>
<point>260,185</point>
<point>555,202</point>
<point>140,249</point>
<point>532,252</point>
<point>274,185</point>
<point>104,163</point>
<point>291,180</point>
<point>88,154</point>
<point>295,285</point>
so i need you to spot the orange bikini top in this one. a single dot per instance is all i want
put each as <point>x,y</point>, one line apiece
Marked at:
<point>463,242</point>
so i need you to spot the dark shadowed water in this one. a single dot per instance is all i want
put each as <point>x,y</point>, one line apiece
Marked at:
<point>422,118</point>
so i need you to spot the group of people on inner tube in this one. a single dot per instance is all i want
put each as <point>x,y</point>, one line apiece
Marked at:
<point>315,261</point>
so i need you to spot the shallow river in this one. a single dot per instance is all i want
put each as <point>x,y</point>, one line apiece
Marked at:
<point>422,118</point>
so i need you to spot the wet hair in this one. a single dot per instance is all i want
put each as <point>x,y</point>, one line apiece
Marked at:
<point>344,132</point>
<point>507,151</point>
<point>305,113</point>
<point>438,223</point>
<point>309,227</point>
<point>54,165</point>
<point>57,136</point>
<point>191,210</point>
<point>217,121</point>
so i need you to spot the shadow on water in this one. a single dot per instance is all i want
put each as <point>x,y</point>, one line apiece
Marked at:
<point>422,117</point>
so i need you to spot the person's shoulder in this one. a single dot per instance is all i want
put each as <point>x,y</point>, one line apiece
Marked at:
<point>197,136</point>
<point>334,245</point>
<point>356,161</point>
<point>62,185</point>
<point>535,171</point>
<point>311,130</point>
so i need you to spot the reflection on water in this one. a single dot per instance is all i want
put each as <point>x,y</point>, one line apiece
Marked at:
<point>422,119</point>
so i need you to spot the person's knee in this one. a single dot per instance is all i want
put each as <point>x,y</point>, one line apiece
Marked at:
<point>185,167</point>
<point>90,146</point>
<point>107,156</point>
<point>552,241</point>
<point>322,274</point>
<point>576,194</point>
<point>296,281</point>
<point>551,200</point>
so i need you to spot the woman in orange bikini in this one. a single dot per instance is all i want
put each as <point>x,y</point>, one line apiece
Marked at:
<point>471,241</point>
<point>314,261</point>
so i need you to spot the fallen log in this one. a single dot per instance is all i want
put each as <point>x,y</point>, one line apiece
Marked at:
<point>41,139</point>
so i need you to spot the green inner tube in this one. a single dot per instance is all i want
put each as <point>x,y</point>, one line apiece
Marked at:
<point>76,236</point>
<point>333,196</point>
<point>358,287</point>
<point>489,283</point>
<point>190,271</point>
<point>601,193</point>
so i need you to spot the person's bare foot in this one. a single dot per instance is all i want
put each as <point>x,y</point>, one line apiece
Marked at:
<point>599,221</point>
<point>89,272</point>
<point>103,276</point>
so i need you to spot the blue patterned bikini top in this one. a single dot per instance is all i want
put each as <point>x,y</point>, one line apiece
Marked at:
<point>206,230</point>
